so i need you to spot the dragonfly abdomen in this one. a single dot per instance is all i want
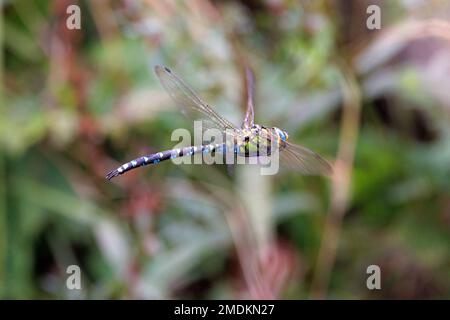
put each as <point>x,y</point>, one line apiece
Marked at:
<point>161,156</point>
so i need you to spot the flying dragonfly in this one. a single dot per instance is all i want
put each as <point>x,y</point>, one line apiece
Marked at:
<point>250,140</point>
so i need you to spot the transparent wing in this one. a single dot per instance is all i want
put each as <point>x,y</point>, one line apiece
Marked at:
<point>190,102</point>
<point>304,160</point>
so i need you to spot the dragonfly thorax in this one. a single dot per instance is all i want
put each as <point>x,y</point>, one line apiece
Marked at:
<point>257,130</point>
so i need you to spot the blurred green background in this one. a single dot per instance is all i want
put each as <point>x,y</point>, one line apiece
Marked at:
<point>77,103</point>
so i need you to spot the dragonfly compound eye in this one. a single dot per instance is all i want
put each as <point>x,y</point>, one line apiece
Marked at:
<point>286,135</point>
<point>281,134</point>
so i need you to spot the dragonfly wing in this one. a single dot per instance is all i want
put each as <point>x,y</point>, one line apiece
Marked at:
<point>189,101</point>
<point>249,116</point>
<point>303,160</point>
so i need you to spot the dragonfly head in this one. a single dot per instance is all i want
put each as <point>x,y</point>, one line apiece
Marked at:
<point>284,136</point>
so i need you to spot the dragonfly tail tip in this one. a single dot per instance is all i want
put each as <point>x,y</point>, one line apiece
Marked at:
<point>112,174</point>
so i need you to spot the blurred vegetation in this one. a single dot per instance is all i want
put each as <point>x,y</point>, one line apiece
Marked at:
<point>76,103</point>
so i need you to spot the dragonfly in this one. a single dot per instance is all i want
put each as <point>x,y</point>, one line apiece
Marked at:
<point>249,140</point>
